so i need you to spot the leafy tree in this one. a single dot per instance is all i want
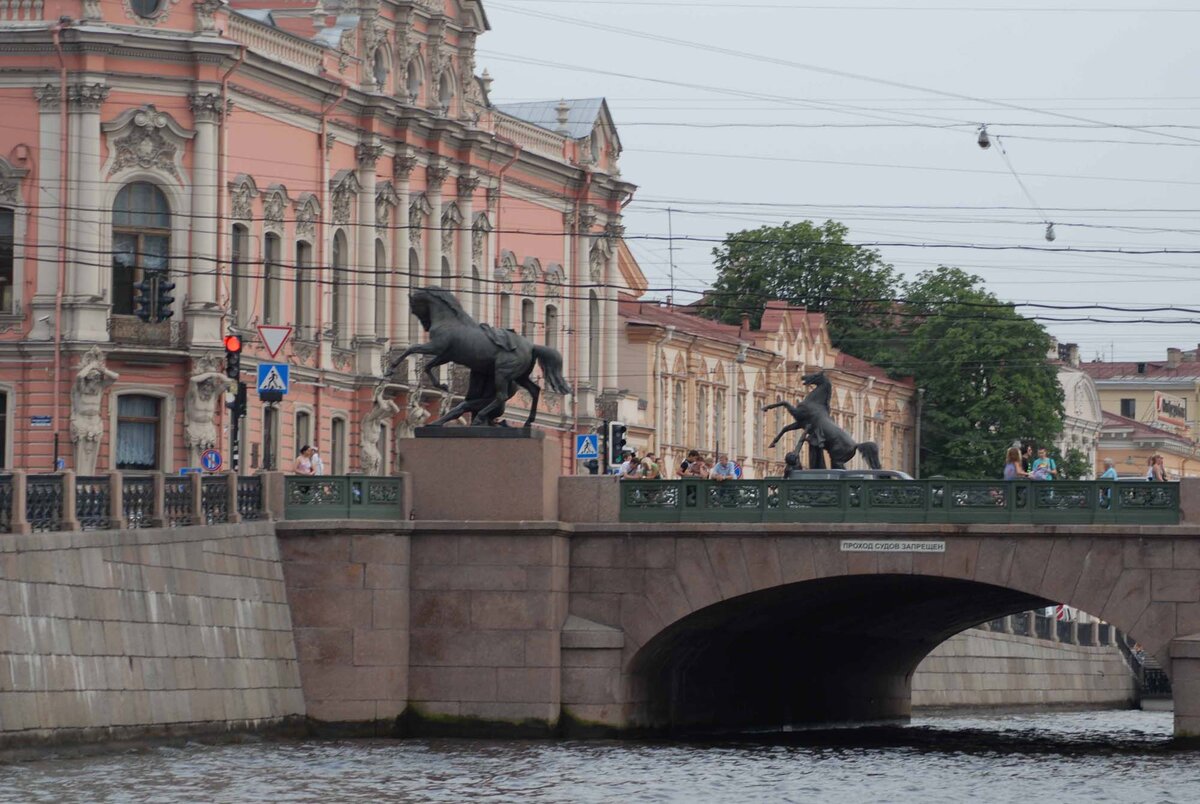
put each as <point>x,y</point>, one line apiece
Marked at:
<point>1075,466</point>
<point>984,371</point>
<point>806,265</point>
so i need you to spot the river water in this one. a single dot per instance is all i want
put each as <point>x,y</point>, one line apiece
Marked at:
<point>1124,756</point>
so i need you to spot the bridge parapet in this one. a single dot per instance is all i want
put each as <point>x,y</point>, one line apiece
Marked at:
<point>882,501</point>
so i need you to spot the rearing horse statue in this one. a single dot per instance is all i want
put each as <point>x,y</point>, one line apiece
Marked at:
<point>812,416</point>
<point>500,360</point>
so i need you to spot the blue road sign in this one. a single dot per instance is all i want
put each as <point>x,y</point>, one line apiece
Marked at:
<point>191,470</point>
<point>210,459</point>
<point>587,447</point>
<point>273,377</point>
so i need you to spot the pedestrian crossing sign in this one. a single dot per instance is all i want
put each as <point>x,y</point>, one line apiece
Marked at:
<point>273,377</point>
<point>587,447</point>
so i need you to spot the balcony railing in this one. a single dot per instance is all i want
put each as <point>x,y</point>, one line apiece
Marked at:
<point>864,500</point>
<point>130,331</point>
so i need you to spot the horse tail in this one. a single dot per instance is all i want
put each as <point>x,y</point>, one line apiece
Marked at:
<point>870,452</point>
<point>551,363</point>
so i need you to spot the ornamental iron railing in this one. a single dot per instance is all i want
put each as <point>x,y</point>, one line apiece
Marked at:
<point>334,497</point>
<point>899,501</point>
<point>177,502</point>
<point>6,503</point>
<point>44,502</point>
<point>93,502</point>
<point>250,497</point>
<point>137,501</point>
<point>214,499</point>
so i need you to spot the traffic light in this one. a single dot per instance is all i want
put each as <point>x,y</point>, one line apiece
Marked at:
<point>164,299</point>
<point>616,442</point>
<point>233,356</point>
<point>236,401</point>
<point>143,299</point>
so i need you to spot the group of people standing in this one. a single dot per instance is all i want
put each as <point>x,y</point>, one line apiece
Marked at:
<point>1018,465</point>
<point>694,465</point>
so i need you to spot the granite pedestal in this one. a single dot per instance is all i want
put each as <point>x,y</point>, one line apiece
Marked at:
<point>499,474</point>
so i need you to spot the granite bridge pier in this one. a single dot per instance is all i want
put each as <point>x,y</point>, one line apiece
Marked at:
<point>552,611</point>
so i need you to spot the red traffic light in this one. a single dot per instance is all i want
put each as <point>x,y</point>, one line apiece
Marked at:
<point>233,343</point>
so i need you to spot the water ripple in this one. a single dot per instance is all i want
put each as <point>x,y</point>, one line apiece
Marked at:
<point>1124,757</point>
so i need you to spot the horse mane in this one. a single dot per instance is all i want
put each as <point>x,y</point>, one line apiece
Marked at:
<point>448,299</point>
<point>823,393</point>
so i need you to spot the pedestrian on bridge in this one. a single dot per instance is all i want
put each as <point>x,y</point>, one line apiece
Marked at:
<point>1012,465</point>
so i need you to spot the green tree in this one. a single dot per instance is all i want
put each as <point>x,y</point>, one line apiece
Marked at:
<point>810,266</point>
<point>984,370</point>
<point>1074,466</point>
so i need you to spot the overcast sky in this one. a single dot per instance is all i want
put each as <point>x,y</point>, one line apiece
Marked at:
<point>772,127</point>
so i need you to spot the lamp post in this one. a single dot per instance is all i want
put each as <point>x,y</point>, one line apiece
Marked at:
<point>917,457</point>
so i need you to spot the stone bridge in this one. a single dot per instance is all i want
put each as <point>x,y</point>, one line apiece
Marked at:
<point>569,621</point>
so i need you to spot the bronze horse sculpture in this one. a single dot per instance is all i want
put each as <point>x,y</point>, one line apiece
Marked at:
<point>500,360</point>
<point>812,416</point>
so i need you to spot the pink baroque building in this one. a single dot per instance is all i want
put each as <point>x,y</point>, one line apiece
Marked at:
<point>174,171</point>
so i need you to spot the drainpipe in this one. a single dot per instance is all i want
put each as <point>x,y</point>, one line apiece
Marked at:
<point>575,302</point>
<point>500,192</point>
<point>55,32</point>
<point>323,183</point>
<point>221,132</point>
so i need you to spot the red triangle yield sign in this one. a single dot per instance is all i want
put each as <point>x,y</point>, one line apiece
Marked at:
<point>273,338</point>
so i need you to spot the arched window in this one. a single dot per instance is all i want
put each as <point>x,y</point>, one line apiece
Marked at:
<point>527,320</point>
<point>551,326</point>
<point>503,316</point>
<point>381,289</point>
<point>702,417</point>
<point>239,272</point>
<point>412,81</point>
<point>594,340</point>
<point>445,93</point>
<point>337,446</point>
<point>141,226</point>
<point>272,255</point>
<point>7,250</point>
<point>339,318</point>
<point>379,69</point>
<point>146,9</point>
<point>303,431</point>
<point>304,283</point>
<point>678,406</point>
<point>139,424</point>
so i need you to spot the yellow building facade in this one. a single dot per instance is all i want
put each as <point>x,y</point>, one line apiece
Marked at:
<point>691,383</point>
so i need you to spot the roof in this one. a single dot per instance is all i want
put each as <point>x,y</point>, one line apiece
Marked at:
<point>857,365</point>
<point>1151,370</point>
<point>1143,430</point>
<point>655,314</point>
<point>581,116</point>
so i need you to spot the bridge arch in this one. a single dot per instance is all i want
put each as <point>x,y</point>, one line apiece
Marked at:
<point>753,625</point>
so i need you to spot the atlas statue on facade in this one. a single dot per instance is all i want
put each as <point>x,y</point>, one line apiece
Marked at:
<point>500,360</point>
<point>812,416</point>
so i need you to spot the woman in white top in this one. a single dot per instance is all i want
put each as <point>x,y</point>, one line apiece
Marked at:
<point>303,464</point>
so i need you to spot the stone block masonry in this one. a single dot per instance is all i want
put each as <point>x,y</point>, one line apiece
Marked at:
<point>120,633</point>
<point>985,669</point>
<point>348,586</point>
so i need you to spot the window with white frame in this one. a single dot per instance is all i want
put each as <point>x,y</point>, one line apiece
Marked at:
<point>139,429</point>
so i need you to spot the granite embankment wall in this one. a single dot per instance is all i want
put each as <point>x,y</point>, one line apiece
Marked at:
<point>133,632</point>
<point>986,669</point>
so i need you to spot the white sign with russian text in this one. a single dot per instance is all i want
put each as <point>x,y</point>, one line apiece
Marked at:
<point>880,546</point>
